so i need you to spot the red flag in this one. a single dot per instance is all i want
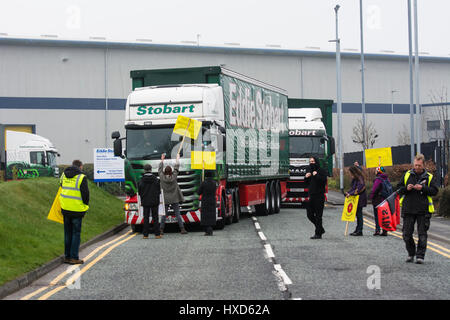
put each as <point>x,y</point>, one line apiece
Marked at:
<point>394,206</point>
<point>385,218</point>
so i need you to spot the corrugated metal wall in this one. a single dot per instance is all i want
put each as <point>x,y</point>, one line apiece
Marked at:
<point>72,71</point>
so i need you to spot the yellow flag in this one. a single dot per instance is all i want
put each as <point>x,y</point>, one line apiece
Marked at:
<point>378,157</point>
<point>350,207</point>
<point>55,211</point>
<point>187,126</point>
<point>198,157</point>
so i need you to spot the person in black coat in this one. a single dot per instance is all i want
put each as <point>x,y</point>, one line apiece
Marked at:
<point>417,207</point>
<point>316,177</point>
<point>208,207</point>
<point>149,191</point>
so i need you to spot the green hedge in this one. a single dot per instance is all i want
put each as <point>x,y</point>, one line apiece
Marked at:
<point>444,202</point>
<point>28,239</point>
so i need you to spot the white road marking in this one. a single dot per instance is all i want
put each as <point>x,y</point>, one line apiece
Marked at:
<point>257,226</point>
<point>262,236</point>
<point>269,251</point>
<point>283,274</point>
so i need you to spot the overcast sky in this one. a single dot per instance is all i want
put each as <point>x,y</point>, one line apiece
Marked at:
<point>285,24</point>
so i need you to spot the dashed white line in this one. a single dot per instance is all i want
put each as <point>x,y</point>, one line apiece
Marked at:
<point>282,278</point>
<point>283,274</point>
<point>262,236</point>
<point>269,251</point>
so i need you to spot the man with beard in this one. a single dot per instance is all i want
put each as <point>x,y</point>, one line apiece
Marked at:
<point>316,177</point>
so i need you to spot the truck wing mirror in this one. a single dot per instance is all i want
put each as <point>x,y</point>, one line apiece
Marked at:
<point>115,135</point>
<point>118,148</point>
<point>332,145</point>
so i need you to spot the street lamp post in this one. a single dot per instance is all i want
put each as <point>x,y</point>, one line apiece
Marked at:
<point>392,113</point>
<point>339,102</point>
<point>416,75</point>
<point>363,103</point>
<point>411,90</point>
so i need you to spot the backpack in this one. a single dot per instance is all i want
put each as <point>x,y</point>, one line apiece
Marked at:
<point>386,188</point>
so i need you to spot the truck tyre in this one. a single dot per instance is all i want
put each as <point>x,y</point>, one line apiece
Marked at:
<point>221,223</point>
<point>272,197</point>
<point>229,219</point>
<point>237,206</point>
<point>277,198</point>
<point>264,209</point>
<point>137,228</point>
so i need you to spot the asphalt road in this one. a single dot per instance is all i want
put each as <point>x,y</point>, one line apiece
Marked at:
<point>269,258</point>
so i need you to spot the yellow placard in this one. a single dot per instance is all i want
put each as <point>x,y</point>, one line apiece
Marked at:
<point>187,126</point>
<point>350,207</point>
<point>55,213</point>
<point>208,157</point>
<point>378,157</point>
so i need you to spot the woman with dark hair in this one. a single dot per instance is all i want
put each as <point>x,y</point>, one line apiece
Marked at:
<point>172,193</point>
<point>358,187</point>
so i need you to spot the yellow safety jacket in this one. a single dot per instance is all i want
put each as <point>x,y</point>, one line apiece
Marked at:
<point>70,197</point>
<point>430,200</point>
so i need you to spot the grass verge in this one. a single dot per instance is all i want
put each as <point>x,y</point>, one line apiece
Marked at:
<point>28,240</point>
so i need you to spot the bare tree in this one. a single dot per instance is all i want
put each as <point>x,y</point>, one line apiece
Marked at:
<point>368,139</point>
<point>403,137</point>
<point>439,99</point>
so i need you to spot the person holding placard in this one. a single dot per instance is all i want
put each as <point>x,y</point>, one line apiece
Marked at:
<point>74,201</point>
<point>172,192</point>
<point>378,194</point>
<point>358,187</point>
<point>149,191</point>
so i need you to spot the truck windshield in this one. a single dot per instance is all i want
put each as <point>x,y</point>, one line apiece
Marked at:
<point>301,147</point>
<point>149,143</point>
<point>51,159</point>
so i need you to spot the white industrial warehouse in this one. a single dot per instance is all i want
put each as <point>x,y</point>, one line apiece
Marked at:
<point>74,92</point>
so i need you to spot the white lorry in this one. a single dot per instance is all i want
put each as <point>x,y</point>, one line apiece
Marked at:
<point>29,155</point>
<point>307,137</point>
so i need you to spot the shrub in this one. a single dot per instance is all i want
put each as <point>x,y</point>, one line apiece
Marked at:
<point>444,202</point>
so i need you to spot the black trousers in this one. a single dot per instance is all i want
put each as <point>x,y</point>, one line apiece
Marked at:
<point>208,229</point>
<point>155,218</point>
<point>423,224</point>
<point>314,211</point>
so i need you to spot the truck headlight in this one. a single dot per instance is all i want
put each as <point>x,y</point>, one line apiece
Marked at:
<point>131,206</point>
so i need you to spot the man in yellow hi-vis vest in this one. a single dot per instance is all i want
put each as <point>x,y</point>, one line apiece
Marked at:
<point>416,188</point>
<point>74,200</point>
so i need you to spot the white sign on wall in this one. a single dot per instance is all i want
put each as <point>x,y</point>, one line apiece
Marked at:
<point>107,167</point>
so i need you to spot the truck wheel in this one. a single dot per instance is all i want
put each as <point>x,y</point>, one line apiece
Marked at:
<point>229,219</point>
<point>264,209</point>
<point>272,197</point>
<point>137,228</point>
<point>277,198</point>
<point>237,206</point>
<point>221,223</point>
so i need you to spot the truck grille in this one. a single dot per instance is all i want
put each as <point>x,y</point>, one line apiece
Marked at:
<point>189,183</point>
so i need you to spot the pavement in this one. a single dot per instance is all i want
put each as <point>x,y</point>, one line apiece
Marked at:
<point>439,226</point>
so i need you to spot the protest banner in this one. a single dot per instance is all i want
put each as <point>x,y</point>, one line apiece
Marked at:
<point>349,210</point>
<point>378,157</point>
